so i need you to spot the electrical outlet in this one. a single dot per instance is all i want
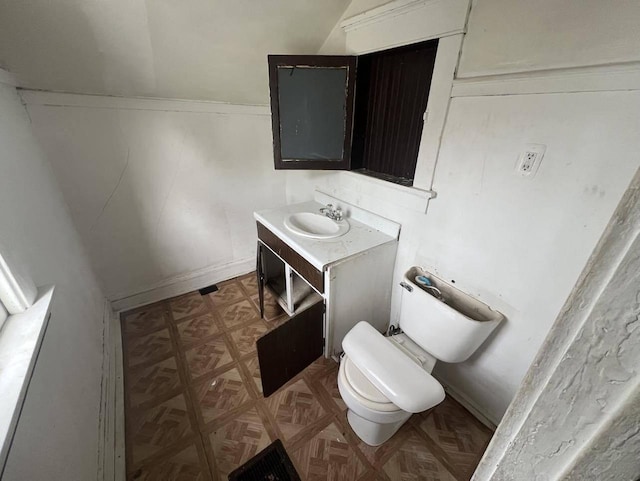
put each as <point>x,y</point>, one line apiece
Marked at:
<point>529,160</point>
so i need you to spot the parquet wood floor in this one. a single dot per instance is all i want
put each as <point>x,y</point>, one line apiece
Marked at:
<point>195,411</point>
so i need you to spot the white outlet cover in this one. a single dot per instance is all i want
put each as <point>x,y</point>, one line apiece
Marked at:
<point>530,159</point>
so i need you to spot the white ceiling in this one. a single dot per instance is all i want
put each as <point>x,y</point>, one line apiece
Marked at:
<point>185,49</point>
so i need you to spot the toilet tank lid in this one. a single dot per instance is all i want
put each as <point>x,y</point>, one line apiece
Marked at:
<point>401,380</point>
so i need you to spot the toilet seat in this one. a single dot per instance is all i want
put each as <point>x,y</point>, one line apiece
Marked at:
<point>362,385</point>
<point>361,389</point>
<point>398,377</point>
<point>378,412</point>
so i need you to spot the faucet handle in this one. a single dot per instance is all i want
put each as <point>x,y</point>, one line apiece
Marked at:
<point>328,207</point>
<point>331,212</point>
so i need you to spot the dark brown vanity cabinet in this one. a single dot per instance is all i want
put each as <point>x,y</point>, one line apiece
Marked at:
<point>325,301</point>
<point>291,347</point>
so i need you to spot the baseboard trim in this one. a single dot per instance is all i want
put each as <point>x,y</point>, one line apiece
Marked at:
<point>111,454</point>
<point>103,421</point>
<point>470,406</point>
<point>119,466</point>
<point>182,284</point>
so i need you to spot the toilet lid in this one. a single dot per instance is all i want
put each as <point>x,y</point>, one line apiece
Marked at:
<point>362,385</point>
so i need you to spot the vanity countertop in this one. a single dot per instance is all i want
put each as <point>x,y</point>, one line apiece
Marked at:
<point>322,252</point>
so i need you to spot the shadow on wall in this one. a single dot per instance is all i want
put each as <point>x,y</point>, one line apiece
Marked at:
<point>63,24</point>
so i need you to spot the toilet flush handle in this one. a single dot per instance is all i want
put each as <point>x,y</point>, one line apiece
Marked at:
<point>406,286</point>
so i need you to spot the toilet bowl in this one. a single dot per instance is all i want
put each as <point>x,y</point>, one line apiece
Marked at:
<point>371,415</point>
<point>384,380</point>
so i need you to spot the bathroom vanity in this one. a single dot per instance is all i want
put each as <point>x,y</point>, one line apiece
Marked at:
<point>327,274</point>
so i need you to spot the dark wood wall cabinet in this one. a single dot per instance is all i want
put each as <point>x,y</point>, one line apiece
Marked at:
<point>361,113</point>
<point>312,110</point>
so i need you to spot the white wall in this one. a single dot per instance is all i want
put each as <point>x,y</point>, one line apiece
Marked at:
<point>57,436</point>
<point>517,244</point>
<point>520,244</point>
<point>160,190</point>
<point>507,36</point>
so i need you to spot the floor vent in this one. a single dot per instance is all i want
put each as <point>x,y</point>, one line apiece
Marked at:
<point>270,464</point>
<point>208,290</point>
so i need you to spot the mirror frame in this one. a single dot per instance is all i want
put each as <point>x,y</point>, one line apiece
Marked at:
<point>330,61</point>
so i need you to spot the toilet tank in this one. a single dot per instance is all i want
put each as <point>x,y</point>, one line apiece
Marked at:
<point>450,330</point>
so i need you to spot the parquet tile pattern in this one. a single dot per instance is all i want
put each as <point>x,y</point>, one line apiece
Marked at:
<point>189,464</point>
<point>205,358</point>
<point>157,427</point>
<point>195,411</point>
<point>294,407</point>
<point>411,462</point>
<point>220,394</point>
<point>230,293</point>
<point>238,440</point>
<point>459,435</point>
<point>197,329</point>
<point>151,382</point>
<point>245,338</point>
<point>148,348</point>
<point>328,456</point>
<point>187,305</point>
<point>144,320</point>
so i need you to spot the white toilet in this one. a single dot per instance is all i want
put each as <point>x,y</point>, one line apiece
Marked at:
<point>383,380</point>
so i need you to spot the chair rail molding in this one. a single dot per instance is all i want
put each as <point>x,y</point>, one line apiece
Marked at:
<point>58,99</point>
<point>575,414</point>
<point>593,78</point>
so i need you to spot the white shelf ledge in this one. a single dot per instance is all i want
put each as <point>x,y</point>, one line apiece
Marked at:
<point>20,341</point>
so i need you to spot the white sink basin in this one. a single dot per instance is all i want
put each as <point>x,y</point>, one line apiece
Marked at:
<point>315,226</point>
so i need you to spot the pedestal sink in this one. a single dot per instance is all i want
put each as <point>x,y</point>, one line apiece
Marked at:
<point>315,226</point>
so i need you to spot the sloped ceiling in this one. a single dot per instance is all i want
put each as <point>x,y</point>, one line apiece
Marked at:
<point>184,49</point>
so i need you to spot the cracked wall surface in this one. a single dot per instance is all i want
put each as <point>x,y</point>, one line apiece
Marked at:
<point>159,190</point>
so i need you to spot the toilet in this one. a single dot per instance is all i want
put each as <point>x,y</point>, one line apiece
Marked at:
<point>383,380</point>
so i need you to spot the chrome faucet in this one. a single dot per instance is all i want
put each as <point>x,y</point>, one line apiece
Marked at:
<point>331,212</point>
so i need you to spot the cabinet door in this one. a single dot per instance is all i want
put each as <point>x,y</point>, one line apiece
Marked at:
<point>288,349</point>
<point>260,274</point>
<point>312,98</point>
